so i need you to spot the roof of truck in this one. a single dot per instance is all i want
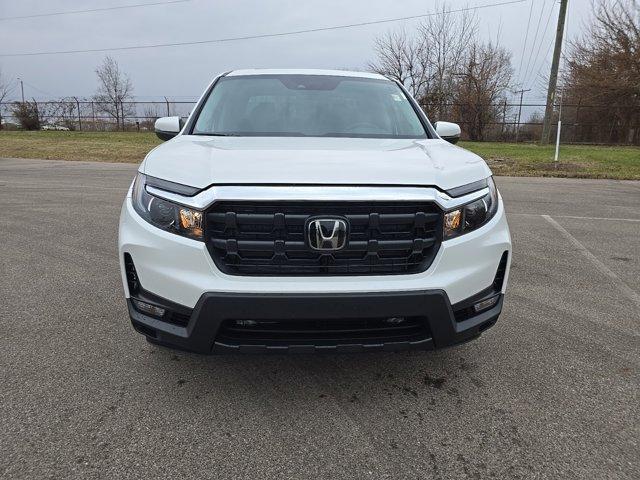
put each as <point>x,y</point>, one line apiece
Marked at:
<point>304,71</point>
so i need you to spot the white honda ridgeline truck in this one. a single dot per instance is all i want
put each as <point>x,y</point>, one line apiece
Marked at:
<point>311,210</point>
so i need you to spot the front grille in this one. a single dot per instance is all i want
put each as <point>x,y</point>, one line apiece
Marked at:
<point>269,238</point>
<point>364,331</point>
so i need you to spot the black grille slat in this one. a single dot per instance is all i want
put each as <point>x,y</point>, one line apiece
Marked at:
<point>357,245</point>
<point>323,332</point>
<point>268,238</point>
<point>328,331</point>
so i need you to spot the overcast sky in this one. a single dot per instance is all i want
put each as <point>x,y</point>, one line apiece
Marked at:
<point>182,72</point>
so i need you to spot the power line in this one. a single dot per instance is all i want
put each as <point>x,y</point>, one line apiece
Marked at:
<point>103,9</point>
<point>535,37</point>
<point>266,35</point>
<point>544,63</point>
<point>524,45</point>
<point>546,27</point>
<point>36,88</point>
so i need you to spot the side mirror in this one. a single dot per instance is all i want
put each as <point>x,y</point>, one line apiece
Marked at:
<point>167,127</point>
<point>448,131</point>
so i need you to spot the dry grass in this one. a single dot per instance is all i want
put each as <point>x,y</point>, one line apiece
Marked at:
<point>580,161</point>
<point>129,147</point>
<point>577,161</point>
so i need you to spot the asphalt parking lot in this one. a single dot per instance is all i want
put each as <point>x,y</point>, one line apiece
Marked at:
<point>552,391</point>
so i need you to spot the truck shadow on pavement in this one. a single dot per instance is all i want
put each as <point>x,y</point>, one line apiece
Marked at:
<point>450,374</point>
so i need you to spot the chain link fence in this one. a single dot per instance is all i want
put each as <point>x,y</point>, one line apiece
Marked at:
<point>85,115</point>
<point>505,122</point>
<point>580,123</point>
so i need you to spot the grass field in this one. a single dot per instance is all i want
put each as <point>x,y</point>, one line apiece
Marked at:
<point>582,161</point>
<point>128,147</point>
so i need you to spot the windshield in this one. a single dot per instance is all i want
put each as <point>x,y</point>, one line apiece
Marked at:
<point>308,105</point>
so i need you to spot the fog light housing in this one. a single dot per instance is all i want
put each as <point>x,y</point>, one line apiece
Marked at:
<point>486,304</point>
<point>148,308</point>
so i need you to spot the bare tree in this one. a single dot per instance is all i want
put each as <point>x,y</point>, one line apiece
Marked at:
<point>483,83</point>
<point>402,57</point>
<point>426,60</point>
<point>64,112</point>
<point>532,129</point>
<point>5,89</point>
<point>603,72</point>
<point>28,114</point>
<point>114,90</point>
<point>447,38</point>
<point>150,115</point>
<point>448,69</point>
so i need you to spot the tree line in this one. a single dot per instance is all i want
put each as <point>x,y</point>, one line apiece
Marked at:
<point>455,75</point>
<point>603,72</point>
<point>451,72</point>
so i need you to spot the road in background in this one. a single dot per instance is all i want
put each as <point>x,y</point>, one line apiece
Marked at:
<point>552,391</point>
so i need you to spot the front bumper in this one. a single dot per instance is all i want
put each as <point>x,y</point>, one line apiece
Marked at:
<point>182,270</point>
<point>181,275</point>
<point>441,322</point>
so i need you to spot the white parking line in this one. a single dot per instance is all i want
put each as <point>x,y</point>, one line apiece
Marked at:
<point>624,288</point>
<point>601,218</point>
<point>575,217</point>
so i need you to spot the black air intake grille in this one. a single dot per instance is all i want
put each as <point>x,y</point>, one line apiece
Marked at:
<point>269,238</point>
<point>502,270</point>
<point>132,275</point>
<point>365,331</point>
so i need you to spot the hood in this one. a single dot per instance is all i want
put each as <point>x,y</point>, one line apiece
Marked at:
<point>202,161</point>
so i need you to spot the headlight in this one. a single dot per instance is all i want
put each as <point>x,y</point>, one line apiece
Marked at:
<point>472,215</point>
<point>166,215</point>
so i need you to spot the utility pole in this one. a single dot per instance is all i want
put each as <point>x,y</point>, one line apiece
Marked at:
<point>35,104</point>
<point>553,78</point>
<point>21,88</point>
<point>79,117</point>
<point>521,92</point>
